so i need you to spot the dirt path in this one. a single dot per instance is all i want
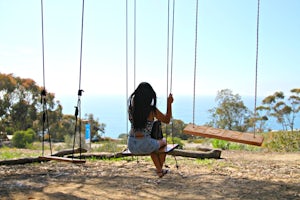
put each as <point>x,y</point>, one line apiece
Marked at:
<point>239,175</point>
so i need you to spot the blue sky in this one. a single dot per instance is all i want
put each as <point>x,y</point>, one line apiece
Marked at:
<point>225,56</point>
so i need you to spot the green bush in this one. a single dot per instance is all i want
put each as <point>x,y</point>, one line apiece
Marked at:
<point>221,144</point>
<point>21,139</point>
<point>9,130</point>
<point>225,145</point>
<point>283,141</point>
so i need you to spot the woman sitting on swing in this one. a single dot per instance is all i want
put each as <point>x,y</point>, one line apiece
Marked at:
<point>142,112</point>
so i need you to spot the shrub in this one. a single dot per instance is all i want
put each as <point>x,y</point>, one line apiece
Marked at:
<point>23,138</point>
<point>9,130</point>
<point>225,145</point>
<point>283,141</point>
<point>221,144</point>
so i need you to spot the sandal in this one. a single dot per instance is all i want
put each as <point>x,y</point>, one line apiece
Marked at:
<point>162,173</point>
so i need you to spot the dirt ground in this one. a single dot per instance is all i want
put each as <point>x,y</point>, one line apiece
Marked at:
<point>238,175</point>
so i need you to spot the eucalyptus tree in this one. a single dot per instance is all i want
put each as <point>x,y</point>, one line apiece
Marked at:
<point>284,110</point>
<point>230,113</point>
<point>20,102</point>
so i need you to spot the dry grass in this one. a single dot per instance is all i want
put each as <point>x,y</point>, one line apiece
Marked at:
<point>239,175</point>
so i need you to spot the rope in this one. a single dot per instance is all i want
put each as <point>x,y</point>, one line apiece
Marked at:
<point>168,50</point>
<point>134,64</point>
<point>172,47</point>
<point>78,107</point>
<point>171,66</point>
<point>134,53</point>
<point>168,45</point>
<point>256,65</point>
<point>170,59</point>
<point>195,61</point>
<point>127,79</point>
<point>43,92</point>
<point>43,45</point>
<point>81,42</point>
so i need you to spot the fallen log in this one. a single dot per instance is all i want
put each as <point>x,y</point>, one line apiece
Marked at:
<point>41,159</point>
<point>214,153</point>
<point>102,155</point>
<point>19,161</point>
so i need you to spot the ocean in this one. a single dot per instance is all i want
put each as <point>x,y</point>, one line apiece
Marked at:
<point>112,110</point>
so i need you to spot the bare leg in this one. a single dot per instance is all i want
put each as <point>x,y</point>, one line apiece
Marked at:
<point>156,160</point>
<point>162,158</point>
<point>159,158</point>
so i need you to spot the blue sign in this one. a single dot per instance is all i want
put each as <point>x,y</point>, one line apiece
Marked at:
<point>87,133</point>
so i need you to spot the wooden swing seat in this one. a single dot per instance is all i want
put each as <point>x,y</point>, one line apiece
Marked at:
<point>166,149</point>
<point>222,134</point>
<point>72,160</point>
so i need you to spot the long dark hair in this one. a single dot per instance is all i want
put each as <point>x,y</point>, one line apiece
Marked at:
<point>141,102</point>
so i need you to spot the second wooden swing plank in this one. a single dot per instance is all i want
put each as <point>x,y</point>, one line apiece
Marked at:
<point>222,134</point>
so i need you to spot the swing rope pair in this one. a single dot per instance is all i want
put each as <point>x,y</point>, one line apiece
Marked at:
<point>210,132</point>
<point>45,122</point>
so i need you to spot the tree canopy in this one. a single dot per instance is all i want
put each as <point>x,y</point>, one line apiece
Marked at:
<point>231,112</point>
<point>21,108</point>
<point>283,109</point>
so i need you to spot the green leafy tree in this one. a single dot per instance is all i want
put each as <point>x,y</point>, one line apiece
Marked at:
<point>285,111</point>
<point>175,128</point>
<point>294,100</point>
<point>22,115</point>
<point>8,84</point>
<point>55,119</point>
<point>22,107</point>
<point>95,127</point>
<point>66,126</point>
<point>231,113</point>
<point>261,118</point>
<point>19,102</point>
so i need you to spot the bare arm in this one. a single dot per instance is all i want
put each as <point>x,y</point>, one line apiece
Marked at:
<point>165,118</point>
